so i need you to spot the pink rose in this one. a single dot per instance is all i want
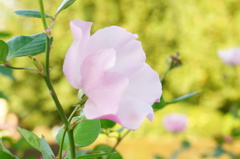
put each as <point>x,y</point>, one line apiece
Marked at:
<point>109,66</point>
<point>175,122</point>
<point>230,56</point>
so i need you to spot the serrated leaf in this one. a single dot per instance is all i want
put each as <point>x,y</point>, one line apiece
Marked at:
<point>46,150</point>
<point>26,45</point>
<point>7,72</point>
<point>96,155</point>
<point>31,138</point>
<point>3,52</point>
<point>106,124</point>
<point>182,97</point>
<point>65,4</point>
<point>31,13</point>
<point>5,155</point>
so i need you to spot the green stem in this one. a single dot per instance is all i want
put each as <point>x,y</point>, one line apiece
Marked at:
<point>56,101</point>
<point>73,112</point>
<point>165,74</point>
<point>48,82</point>
<point>20,68</point>
<point>79,107</point>
<point>47,58</point>
<point>71,142</point>
<point>62,115</point>
<point>65,130</point>
<point>42,14</point>
<point>61,144</point>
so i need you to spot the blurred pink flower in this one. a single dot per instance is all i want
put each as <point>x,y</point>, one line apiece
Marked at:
<point>230,56</point>
<point>9,126</point>
<point>175,122</point>
<point>109,66</point>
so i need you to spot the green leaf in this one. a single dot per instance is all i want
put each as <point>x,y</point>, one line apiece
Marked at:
<point>4,34</point>
<point>5,155</point>
<point>7,72</point>
<point>46,150</point>
<point>86,132</point>
<point>26,45</point>
<point>3,52</point>
<point>31,138</point>
<point>96,155</point>
<point>183,97</point>
<point>4,148</point>
<point>106,124</point>
<point>31,13</point>
<point>65,4</point>
<point>106,149</point>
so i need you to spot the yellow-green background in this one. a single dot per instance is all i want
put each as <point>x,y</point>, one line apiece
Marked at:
<point>194,28</point>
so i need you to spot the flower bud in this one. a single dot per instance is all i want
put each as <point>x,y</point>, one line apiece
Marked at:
<point>38,65</point>
<point>174,61</point>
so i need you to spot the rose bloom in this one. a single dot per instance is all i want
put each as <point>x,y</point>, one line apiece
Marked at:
<point>109,66</point>
<point>230,56</point>
<point>175,122</point>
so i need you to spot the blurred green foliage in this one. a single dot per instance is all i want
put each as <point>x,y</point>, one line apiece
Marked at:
<point>195,29</point>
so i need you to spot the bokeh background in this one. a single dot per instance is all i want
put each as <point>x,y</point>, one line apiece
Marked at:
<point>195,29</point>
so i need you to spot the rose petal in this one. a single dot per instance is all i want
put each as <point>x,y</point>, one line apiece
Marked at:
<point>130,57</point>
<point>130,115</point>
<point>75,54</point>
<point>110,37</point>
<point>104,88</point>
<point>133,112</point>
<point>144,85</point>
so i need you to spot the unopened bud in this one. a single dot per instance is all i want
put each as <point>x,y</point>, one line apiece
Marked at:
<point>38,65</point>
<point>174,61</point>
